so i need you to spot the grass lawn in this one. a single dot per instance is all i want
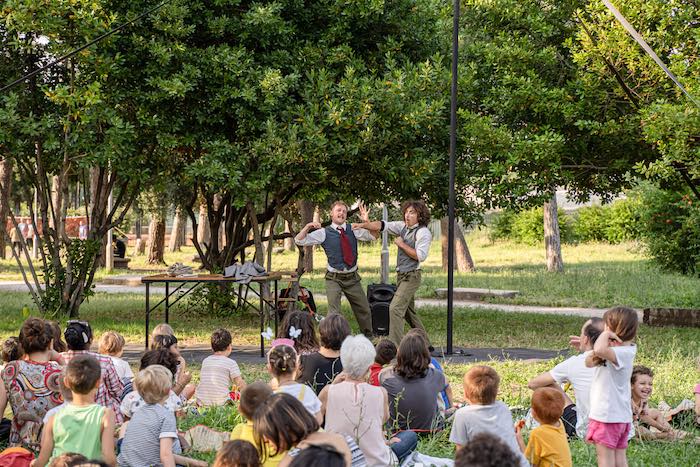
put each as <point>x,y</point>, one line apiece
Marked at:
<point>670,352</point>
<point>596,274</point>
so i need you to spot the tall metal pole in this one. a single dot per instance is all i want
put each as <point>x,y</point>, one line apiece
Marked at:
<point>385,248</point>
<point>451,200</point>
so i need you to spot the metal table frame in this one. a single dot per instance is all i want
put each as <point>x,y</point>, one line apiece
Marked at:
<point>184,288</point>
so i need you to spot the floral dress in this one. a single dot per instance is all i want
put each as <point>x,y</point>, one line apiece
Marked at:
<point>32,390</point>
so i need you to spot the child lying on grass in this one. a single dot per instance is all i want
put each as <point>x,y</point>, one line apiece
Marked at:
<point>649,423</point>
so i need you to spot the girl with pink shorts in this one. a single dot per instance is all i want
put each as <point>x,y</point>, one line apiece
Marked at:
<point>610,418</point>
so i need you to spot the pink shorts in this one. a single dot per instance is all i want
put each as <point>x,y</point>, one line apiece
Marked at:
<point>610,435</point>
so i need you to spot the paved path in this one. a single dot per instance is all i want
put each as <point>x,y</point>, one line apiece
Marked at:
<point>18,286</point>
<point>251,354</point>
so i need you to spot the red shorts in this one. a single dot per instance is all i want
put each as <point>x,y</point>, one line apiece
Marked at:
<point>610,435</point>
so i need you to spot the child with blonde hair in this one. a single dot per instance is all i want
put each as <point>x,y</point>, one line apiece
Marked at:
<point>610,418</point>
<point>112,344</point>
<point>151,435</point>
<point>82,427</point>
<point>484,414</point>
<point>548,445</point>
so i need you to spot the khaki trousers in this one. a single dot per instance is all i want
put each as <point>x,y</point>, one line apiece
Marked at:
<point>349,284</point>
<point>403,306</point>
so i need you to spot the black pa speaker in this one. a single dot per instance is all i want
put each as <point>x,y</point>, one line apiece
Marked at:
<point>379,297</point>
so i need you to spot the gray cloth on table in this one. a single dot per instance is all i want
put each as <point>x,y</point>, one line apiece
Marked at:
<point>244,272</point>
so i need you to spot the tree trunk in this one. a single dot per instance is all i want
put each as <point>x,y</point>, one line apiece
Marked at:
<point>465,263</point>
<point>156,240</point>
<point>259,255</point>
<point>463,258</point>
<point>552,240</point>
<point>6,182</point>
<point>203,231</point>
<point>177,234</point>
<point>306,208</point>
<point>94,181</point>
<point>288,242</point>
<point>57,217</point>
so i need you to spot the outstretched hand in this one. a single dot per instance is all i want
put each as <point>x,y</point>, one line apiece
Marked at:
<point>575,342</point>
<point>363,211</point>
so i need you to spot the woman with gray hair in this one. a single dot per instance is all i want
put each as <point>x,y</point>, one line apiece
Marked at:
<point>357,409</point>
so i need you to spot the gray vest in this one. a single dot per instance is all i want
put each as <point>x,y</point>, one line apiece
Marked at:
<point>405,263</point>
<point>331,245</point>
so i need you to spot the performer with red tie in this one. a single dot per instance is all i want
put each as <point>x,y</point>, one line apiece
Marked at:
<point>339,241</point>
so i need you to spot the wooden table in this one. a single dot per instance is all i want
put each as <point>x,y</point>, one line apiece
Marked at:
<point>187,284</point>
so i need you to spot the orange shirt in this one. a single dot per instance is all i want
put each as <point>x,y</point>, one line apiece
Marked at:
<point>548,447</point>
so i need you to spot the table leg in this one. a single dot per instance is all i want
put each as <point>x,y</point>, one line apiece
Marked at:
<point>274,308</point>
<point>262,321</point>
<point>167,302</point>
<point>148,311</point>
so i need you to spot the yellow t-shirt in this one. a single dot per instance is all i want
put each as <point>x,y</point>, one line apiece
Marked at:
<point>548,447</point>
<point>244,432</point>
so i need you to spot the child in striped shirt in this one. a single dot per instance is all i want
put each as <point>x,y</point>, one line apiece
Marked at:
<point>151,435</point>
<point>218,372</point>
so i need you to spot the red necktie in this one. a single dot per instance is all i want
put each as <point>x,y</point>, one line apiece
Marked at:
<point>348,255</point>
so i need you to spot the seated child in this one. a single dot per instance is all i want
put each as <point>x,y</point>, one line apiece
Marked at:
<point>282,365</point>
<point>112,344</point>
<point>485,450</point>
<point>218,372</point>
<point>649,424</point>
<point>70,459</point>
<point>386,352</point>
<point>548,445</point>
<point>151,435</point>
<point>133,401</point>
<point>82,427</point>
<point>237,453</point>
<point>300,327</point>
<point>320,456</point>
<point>11,351</point>
<point>484,413</point>
<point>252,397</point>
<point>182,376</point>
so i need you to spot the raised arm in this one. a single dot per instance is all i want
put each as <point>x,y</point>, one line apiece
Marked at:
<point>542,380</point>
<point>364,215</point>
<point>317,236</point>
<point>371,226</point>
<point>603,349</point>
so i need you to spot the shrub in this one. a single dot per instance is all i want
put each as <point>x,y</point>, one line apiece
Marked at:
<point>624,219</point>
<point>528,226</point>
<point>591,222</point>
<point>670,229</point>
<point>502,226</point>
